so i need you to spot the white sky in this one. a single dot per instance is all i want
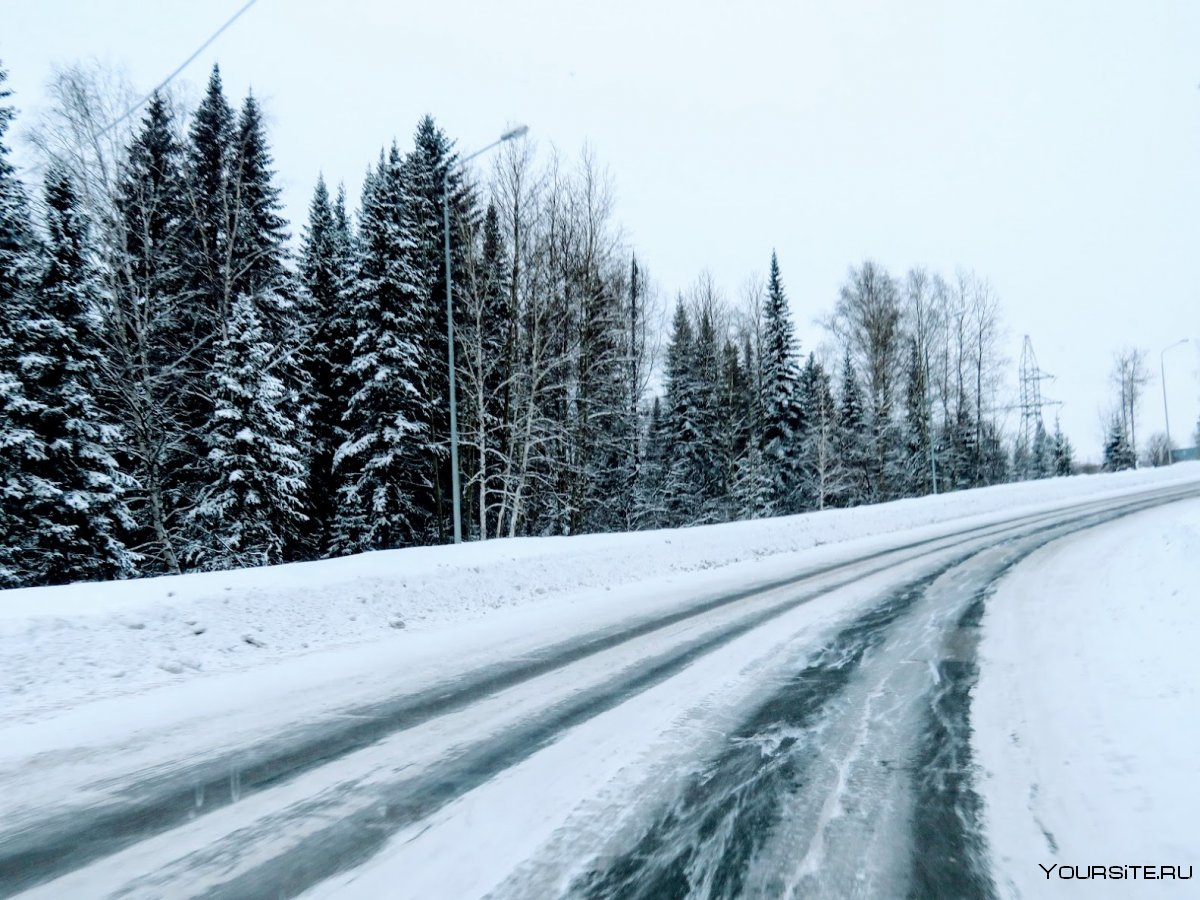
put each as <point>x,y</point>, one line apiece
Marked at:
<point>1052,147</point>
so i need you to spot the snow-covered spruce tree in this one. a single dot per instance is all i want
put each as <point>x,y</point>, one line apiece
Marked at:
<point>598,434</point>
<point>252,505</point>
<point>636,365</point>
<point>683,495</point>
<point>205,307</point>
<point>962,453</point>
<point>993,455</point>
<point>71,517</point>
<point>258,232</point>
<point>917,475</point>
<point>733,433</point>
<point>17,245</point>
<point>776,492</point>
<point>852,442</point>
<point>651,488</point>
<point>210,184</point>
<point>422,173</point>
<point>1118,454</point>
<point>1041,464</point>
<point>326,275</point>
<point>151,367</point>
<point>382,467</point>
<point>819,466</point>
<point>1022,459</point>
<point>704,454</point>
<point>258,259</point>
<point>257,385</point>
<point>18,271</point>
<point>748,474</point>
<point>595,279</point>
<point>1062,452</point>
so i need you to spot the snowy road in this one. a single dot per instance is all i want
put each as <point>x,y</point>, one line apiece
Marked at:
<point>807,736</point>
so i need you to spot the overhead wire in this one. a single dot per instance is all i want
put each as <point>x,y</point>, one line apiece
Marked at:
<point>216,34</point>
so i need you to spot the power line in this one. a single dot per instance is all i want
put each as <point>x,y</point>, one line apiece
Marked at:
<point>216,34</point>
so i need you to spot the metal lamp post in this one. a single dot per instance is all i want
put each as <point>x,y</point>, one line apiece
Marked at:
<point>1162,369</point>
<point>509,135</point>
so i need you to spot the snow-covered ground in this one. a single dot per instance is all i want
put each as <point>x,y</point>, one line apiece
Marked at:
<point>1087,711</point>
<point>563,760</point>
<point>66,645</point>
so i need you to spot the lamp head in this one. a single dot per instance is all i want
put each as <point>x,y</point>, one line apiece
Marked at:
<point>513,133</point>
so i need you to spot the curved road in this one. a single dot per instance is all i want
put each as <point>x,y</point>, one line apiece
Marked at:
<point>806,737</point>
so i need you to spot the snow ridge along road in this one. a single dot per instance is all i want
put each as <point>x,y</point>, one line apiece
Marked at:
<point>276,818</point>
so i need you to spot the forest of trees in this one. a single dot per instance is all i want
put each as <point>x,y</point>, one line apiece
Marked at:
<point>180,390</point>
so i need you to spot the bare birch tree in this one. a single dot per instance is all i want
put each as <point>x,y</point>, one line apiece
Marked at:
<point>1130,376</point>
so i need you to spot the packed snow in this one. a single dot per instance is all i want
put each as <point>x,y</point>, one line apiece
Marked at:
<point>64,645</point>
<point>271,650</point>
<point>1086,712</point>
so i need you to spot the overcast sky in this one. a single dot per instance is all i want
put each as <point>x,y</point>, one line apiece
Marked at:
<point>1053,148</point>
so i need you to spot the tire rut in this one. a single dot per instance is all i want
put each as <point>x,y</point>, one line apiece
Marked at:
<point>154,806</point>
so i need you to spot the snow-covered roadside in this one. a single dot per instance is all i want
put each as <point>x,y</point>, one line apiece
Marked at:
<point>63,646</point>
<point>1087,712</point>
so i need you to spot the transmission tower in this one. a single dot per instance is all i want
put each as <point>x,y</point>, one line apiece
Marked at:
<point>1031,397</point>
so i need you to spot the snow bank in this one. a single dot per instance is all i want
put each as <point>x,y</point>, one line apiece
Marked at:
<point>62,645</point>
<point>1085,714</point>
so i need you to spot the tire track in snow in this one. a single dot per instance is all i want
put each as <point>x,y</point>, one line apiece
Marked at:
<point>703,844</point>
<point>154,806</point>
<point>708,842</point>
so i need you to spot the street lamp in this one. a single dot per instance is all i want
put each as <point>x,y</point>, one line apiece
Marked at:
<point>509,135</point>
<point>1162,369</point>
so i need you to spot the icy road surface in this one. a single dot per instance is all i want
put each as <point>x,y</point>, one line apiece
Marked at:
<point>807,736</point>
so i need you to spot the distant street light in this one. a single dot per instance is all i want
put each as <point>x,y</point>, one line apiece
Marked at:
<point>1162,368</point>
<point>509,135</point>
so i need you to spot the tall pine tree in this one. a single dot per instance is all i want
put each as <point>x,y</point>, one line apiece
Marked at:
<point>916,477</point>
<point>776,493</point>
<point>153,369</point>
<point>651,489</point>
<point>67,486</point>
<point>211,190</point>
<point>1043,450</point>
<point>383,465</point>
<point>254,469</point>
<point>18,265</point>
<point>251,508</point>
<point>853,441</point>
<point>683,496</point>
<point>1118,452</point>
<point>705,462</point>
<point>423,173</point>
<point>821,475</point>
<point>326,275</point>
<point>733,433</point>
<point>1063,453</point>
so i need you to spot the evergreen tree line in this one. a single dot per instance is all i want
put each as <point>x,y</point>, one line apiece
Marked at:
<point>177,392</point>
<point>750,427</point>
